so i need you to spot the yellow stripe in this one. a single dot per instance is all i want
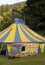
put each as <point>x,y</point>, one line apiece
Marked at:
<point>11,36</point>
<point>3,34</point>
<point>31,35</point>
<point>9,46</point>
<point>42,48</point>
<point>39,36</point>
<point>22,36</point>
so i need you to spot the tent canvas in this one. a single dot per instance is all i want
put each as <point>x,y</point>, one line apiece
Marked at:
<point>18,32</point>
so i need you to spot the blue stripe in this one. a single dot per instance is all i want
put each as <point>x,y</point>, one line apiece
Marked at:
<point>18,42</point>
<point>39,50</point>
<point>32,34</point>
<point>2,39</point>
<point>17,37</point>
<point>28,37</point>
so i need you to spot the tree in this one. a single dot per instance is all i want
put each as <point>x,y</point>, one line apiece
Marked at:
<point>8,18</point>
<point>1,10</point>
<point>35,12</point>
<point>1,22</point>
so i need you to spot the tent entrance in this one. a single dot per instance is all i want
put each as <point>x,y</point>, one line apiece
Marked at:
<point>23,48</point>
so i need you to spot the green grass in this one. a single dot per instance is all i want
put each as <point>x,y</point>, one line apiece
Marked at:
<point>31,60</point>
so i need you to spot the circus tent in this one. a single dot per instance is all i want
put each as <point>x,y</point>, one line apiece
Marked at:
<point>18,33</point>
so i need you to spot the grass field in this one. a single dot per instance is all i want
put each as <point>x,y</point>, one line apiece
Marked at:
<point>31,60</point>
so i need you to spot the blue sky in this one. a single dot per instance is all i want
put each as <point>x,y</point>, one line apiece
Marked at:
<point>10,1</point>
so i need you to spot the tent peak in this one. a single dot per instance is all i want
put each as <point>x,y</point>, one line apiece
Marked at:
<point>19,21</point>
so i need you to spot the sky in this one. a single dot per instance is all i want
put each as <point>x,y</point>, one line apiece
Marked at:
<point>10,1</point>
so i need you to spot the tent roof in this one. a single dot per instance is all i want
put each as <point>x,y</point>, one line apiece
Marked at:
<point>19,33</point>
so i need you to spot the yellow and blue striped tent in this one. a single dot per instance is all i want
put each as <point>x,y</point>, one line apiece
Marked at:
<point>19,33</point>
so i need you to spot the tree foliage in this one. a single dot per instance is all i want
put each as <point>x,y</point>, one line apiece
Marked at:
<point>35,13</point>
<point>5,16</point>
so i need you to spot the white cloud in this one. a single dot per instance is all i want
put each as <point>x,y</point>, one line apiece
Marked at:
<point>10,1</point>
